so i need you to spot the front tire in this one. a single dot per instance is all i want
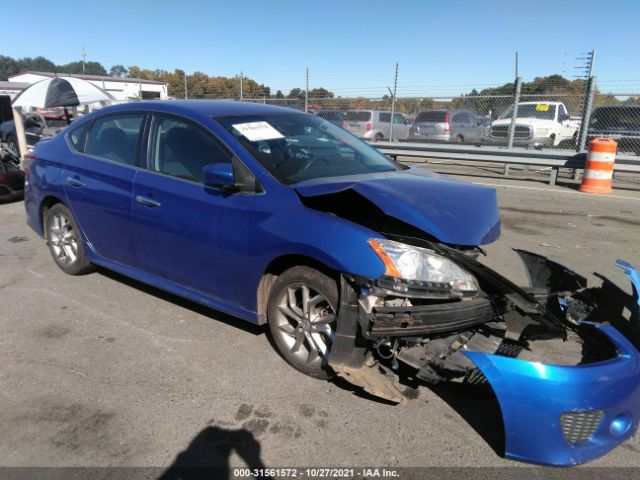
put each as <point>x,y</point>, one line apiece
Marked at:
<point>65,241</point>
<point>302,319</point>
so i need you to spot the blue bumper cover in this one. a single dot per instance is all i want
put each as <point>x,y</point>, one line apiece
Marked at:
<point>533,396</point>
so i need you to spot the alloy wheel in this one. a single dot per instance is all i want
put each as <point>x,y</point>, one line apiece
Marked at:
<point>306,324</point>
<point>63,239</point>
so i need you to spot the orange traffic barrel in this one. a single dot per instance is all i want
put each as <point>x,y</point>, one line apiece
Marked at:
<point>598,171</point>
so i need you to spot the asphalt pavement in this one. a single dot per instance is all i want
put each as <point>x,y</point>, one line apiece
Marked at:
<point>99,370</point>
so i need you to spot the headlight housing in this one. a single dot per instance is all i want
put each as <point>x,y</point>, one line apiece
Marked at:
<point>423,266</point>
<point>542,132</point>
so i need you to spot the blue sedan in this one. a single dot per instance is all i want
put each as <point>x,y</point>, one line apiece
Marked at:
<point>362,267</point>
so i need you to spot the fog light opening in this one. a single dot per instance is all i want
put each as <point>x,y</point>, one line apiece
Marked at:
<point>621,424</point>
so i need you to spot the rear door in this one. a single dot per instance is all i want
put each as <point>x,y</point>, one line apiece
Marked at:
<point>400,127</point>
<point>99,180</point>
<point>356,122</point>
<point>184,232</point>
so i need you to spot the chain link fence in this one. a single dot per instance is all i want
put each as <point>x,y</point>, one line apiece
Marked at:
<point>548,115</point>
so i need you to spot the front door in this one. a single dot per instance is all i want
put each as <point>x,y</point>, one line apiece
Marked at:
<point>184,232</point>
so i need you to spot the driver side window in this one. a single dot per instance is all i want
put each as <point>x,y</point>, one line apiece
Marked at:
<point>181,149</point>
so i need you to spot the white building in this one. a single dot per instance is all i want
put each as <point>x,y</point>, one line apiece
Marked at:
<point>122,89</point>
<point>12,88</point>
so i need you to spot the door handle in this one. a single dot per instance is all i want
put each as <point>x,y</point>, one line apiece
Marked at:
<point>74,182</point>
<point>147,202</point>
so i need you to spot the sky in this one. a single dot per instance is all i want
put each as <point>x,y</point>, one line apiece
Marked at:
<point>349,46</point>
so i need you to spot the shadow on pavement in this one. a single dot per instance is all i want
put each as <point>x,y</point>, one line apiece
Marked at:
<point>208,454</point>
<point>184,303</point>
<point>478,406</point>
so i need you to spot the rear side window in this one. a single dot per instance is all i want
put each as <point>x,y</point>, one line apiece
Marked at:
<point>182,150</point>
<point>434,116</point>
<point>358,116</point>
<point>385,117</point>
<point>78,135</point>
<point>115,138</point>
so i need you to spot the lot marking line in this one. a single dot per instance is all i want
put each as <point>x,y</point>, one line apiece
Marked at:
<point>542,189</point>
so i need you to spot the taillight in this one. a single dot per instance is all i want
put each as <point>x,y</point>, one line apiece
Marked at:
<point>27,160</point>
<point>447,122</point>
<point>368,126</point>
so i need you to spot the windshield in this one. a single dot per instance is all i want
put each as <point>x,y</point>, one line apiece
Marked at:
<point>616,118</point>
<point>433,116</point>
<point>543,111</point>
<point>297,147</point>
<point>353,116</point>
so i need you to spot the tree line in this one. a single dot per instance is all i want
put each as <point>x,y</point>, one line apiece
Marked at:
<point>198,84</point>
<point>490,101</point>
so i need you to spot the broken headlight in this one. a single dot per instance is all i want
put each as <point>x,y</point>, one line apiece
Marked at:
<point>416,264</point>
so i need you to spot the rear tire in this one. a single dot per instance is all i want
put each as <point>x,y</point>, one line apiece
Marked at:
<point>378,137</point>
<point>459,139</point>
<point>65,241</point>
<point>302,319</point>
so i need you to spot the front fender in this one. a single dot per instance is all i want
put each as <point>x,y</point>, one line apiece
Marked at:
<point>337,243</point>
<point>534,396</point>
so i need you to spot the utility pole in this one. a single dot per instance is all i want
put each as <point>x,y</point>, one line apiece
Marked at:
<point>306,91</point>
<point>589,93</point>
<point>186,95</point>
<point>83,55</point>
<point>241,82</point>
<point>516,64</point>
<point>393,102</point>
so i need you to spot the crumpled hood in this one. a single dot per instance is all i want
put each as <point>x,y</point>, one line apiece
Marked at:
<point>453,212</point>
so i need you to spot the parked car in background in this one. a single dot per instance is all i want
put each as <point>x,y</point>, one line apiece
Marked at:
<point>11,176</point>
<point>619,122</point>
<point>460,126</point>
<point>537,124</point>
<point>375,125</point>
<point>36,126</point>
<point>333,116</point>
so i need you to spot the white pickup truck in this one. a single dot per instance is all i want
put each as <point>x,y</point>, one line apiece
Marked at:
<point>537,123</point>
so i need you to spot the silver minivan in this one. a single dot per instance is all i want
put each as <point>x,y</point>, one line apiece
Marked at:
<point>375,125</point>
<point>461,126</point>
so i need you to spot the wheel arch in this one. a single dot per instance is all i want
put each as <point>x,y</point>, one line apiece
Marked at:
<point>279,265</point>
<point>45,205</point>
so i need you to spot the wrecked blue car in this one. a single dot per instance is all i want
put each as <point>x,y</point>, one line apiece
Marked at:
<point>362,267</point>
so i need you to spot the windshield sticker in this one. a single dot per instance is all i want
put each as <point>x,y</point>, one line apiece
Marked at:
<point>257,131</point>
<point>542,107</point>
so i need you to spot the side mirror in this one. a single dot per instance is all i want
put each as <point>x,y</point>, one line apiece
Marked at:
<point>219,175</point>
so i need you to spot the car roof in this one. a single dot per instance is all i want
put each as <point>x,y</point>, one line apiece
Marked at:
<point>208,108</point>
<point>539,101</point>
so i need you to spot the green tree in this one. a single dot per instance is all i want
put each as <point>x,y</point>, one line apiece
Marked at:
<point>296,93</point>
<point>320,93</point>
<point>8,67</point>
<point>90,68</point>
<point>118,71</point>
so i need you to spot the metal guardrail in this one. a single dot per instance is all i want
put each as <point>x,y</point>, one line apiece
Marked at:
<point>553,158</point>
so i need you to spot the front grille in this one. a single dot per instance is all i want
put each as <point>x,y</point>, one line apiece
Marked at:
<point>502,131</point>
<point>578,427</point>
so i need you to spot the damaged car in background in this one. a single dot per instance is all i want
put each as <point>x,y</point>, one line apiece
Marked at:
<point>362,267</point>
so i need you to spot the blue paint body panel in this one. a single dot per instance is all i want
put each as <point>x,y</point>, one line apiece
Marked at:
<point>453,212</point>
<point>532,396</point>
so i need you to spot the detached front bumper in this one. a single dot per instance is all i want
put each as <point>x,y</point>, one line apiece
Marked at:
<point>566,415</point>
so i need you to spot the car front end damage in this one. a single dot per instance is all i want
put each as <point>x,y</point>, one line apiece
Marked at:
<point>568,388</point>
